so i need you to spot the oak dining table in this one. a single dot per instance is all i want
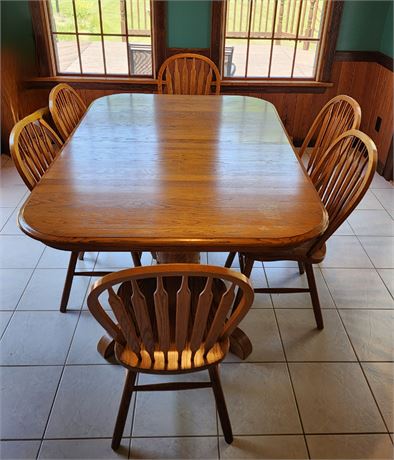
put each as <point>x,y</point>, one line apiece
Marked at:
<point>175,175</point>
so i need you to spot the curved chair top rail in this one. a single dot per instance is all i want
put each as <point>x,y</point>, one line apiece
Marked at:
<point>340,114</point>
<point>66,108</point>
<point>34,145</point>
<point>172,307</point>
<point>188,73</point>
<point>342,177</point>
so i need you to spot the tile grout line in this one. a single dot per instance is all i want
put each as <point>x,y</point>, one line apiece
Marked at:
<point>288,370</point>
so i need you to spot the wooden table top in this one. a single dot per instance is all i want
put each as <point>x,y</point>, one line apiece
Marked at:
<point>175,173</point>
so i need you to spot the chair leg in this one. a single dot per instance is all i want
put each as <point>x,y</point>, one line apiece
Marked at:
<point>314,295</point>
<point>136,256</point>
<point>301,268</point>
<point>230,259</point>
<point>123,409</point>
<point>241,261</point>
<point>81,255</point>
<point>221,403</point>
<point>68,282</point>
<point>247,267</point>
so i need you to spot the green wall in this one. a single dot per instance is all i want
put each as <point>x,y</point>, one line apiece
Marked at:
<point>189,24</point>
<point>16,28</point>
<point>366,26</point>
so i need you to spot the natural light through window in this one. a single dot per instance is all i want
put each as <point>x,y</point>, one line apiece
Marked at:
<point>101,37</point>
<point>274,38</point>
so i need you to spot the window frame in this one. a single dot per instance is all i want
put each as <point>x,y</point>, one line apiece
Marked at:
<point>45,52</point>
<point>326,58</point>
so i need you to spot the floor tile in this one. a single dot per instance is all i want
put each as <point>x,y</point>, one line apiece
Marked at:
<point>372,223</point>
<point>350,447</point>
<point>84,345</point>
<point>380,250</point>
<point>175,413</point>
<point>5,214</point>
<point>387,275</point>
<point>262,301</point>
<point>302,343</point>
<point>345,252</point>
<point>11,227</point>
<point>356,288</point>
<point>37,338</point>
<point>386,197</point>
<point>19,449</point>
<point>380,182</point>
<point>12,283</point>
<point>114,259</point>
<point>52,258</point>
<point>260,326</point>
<point>334,398</point>
<point>369,202</point>
<point>290,278</point>
<point>9,176</point>
<point>45,289</point>
<point>264,447</point>
<point>281,264</point>
<point>79,449</point>
<point>4,319</point>
<point>175,448</point>
<point>260,399</point>
<point>381,380</point>
<point>87,403</point>
<point>371,333</point>
<point>18,251</point>
<point>219,259</point>
<point>26,398</point>
<point>344,229</point>
<point>11,196</point>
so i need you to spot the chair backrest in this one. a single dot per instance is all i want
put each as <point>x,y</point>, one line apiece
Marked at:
<point>66,107</point>
<point>171,307</point>
<point>188,73</point>
<point>34,145</point>
<point>342,177</point>
<point>339,115</point>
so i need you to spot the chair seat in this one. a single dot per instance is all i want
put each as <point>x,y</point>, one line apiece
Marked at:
<point>129,359</point>
<point>299,254</point>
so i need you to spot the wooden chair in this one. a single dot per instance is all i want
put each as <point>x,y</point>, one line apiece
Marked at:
<point>67,108</point>
<point>34,145</point>
<point>340,114</point>
<point>341,177</point>
<point>188,73</point>
<point>172,319</point>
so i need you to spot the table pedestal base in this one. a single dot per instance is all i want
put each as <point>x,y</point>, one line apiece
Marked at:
<point>240,344</point>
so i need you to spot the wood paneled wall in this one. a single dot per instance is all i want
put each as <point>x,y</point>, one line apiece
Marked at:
<point>370,83</point>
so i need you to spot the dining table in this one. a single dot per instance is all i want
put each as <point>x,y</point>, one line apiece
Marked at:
<point>176,175</point>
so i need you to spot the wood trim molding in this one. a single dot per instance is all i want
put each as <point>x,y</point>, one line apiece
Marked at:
<point>159,31</point>
<point>331,41</point>
<point>39,18</point>
<point>366,56</point>
<point>218,12</point>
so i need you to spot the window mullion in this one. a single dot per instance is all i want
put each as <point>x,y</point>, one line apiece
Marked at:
<point>77,36</point>
<point>102,36</point>
<point>272,38</point>
<point>296,43</point>
<point>248,39</point>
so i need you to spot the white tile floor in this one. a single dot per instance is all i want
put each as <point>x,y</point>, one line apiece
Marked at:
<point>301,393</point>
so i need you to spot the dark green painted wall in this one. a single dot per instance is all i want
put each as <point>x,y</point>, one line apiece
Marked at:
<point>367,26</point>
<point>16,27</point>
<point>189,24</point>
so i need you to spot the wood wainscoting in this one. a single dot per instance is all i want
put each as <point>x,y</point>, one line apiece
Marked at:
<point>358,75</point>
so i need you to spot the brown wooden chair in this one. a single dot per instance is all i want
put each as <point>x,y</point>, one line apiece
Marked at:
<point>171,319</point>
<point>341,177</point>
<point>340,114</point>
<point>188,73</point>
<point>67,108</point>
<point>34,145</point>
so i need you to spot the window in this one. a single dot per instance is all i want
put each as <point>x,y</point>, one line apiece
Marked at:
<point>275,39</point>
<point>101,37</point>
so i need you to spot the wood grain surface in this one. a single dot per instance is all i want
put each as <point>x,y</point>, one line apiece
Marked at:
<point>175,173</point>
